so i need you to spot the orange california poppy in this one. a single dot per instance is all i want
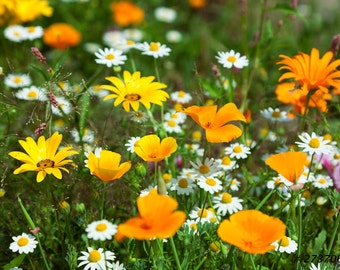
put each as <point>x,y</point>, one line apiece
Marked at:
<point>126,13</point>
<point>150,148</point>
<point>197,3</point>
<point>286,93</point>
<point>157,218</point>
<point>217,124</point>
<point>310,72</point>
<point>252,231</point>
<point>61,36</point>
<point>107,166</point>
<point>289,164</point>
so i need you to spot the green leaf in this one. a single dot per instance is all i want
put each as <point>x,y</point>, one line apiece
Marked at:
<point>319,242</point>
<point>15,262</point>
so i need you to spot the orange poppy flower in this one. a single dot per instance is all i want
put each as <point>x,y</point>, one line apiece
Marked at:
<point>61,36</point>
<point>217,124</point>
<point>126,13</point>
<point>310,72</point>
<point>289,164</point>
<point>286,93</point>
<point>157,218</point>
<point>150,148</point>
<point>252,231</point>
<point>197,3</point>
<point>107,166</point>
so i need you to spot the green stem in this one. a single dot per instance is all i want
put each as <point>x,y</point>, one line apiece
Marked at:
<point>32,225</point>
<point>335,233</point>
<point>102,206</point>
<point>265,199</point>
<point>300,229</point>
<point>157,254</point>
<point>174,250</point>
<point>156,69</point>
<point>252,261</point>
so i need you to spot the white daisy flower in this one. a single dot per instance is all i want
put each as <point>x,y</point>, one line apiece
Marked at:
<point>226,163</point>
<point>233,184</point>
<point>110,38</point>
<point>173,36</point>
<point>147,190</point>
<point>208,168</point>
<point>118,266</point>
<point>172,126</point>
<point>275,115</point>
<point>16,268</point>
<point>125,45</point>
<point>183,185</point>
<point>192,225</point>
<point>165,14</point>
<point>209,184</point>
<point>138,117</point>
<point>179,117</point>
<point>201,215</point>
<point>91,47</point>
<point>17,80</point>
<point>315,267</point>
<point>32,93</point>
<point>101,230</point>
<point>314,144</point>
<point>34,32</point>
<point>130,145</point>
<point>24,243</point>
<point>88,135</point>
<point>96,259</point>
<point>15,33</point>
<point>232,59</point>
<point>225,203</point>
<point>237,150</point>
<point>133,34</point>
<point>99,92</point>
<point>194,148</point>
<point>286,244</point>
<point>322,181</point>
<point>277,182</point>
<point>63,105</point>
<point>154,49</point>
<point>320,200</point>
<point>181,97</point>
<point>110,57</point>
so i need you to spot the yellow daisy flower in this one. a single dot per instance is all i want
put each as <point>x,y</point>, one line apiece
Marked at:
<point>42,156</point>
<point>135,89</point>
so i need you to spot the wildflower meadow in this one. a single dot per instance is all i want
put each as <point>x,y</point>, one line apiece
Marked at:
<point>160,134</point>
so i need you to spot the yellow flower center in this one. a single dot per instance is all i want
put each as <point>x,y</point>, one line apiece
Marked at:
<point>226,160</point>
<point>101,227</point>
<point>94,256</point>
<point>17,80</point>
<point>233,182</point>
<point>183,183</point>
<point>132,97</point>
<point>210,182</point>
<point>193,226</point>
<point>276,114</point>
<point>166,178</point>
<point>226,198</point>
<point>284,242</point>
<point>130,42</point>
<point>44,164</point>
<point>322,181</point>
<point>171,123</point>
<point>328,137</point>
<point>314,143</point>
<point>204,169</point>
<point>278,182</point>
<point>110,56</point>
<point>32,94</point>
<point>31,29</point>
<point>231,59</point>
<point>181,93</point>
<point>213,220</point>
<point>174,115</point>
<point>196,135</point>
<point>336,156</point>
<point>23,241</point>
<point>203,213</point>
<point>237,149</point>
<point>154,47</point>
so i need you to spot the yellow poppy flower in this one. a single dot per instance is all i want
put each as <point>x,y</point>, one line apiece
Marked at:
<point>135,89</point>
<point>42,156</point>
<point>217,123</point>
<point>252,231</point>
<point>107,166</point>
<point>157,218</point>
<point>151,148</point>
